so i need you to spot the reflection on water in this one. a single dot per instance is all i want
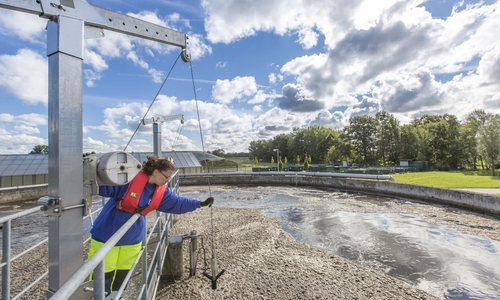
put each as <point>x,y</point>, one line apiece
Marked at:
<point>432,257</point>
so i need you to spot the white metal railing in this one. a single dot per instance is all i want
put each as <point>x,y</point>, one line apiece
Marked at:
<point>22,187</point>
<point>150,278</point>
<point>6,223</point>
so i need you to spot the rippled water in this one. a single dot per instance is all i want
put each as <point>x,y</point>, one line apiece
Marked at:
<point>432,257</point>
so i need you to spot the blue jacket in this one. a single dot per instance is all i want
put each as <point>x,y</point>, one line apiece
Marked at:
<point>111,219</point>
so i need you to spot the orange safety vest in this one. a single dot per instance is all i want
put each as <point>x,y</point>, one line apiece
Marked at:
<point>129,202</point>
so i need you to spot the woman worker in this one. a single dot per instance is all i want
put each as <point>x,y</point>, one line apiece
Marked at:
<point>145,193</point>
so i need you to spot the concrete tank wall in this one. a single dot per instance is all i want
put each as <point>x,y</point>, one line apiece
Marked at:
<point>23,193</point>
<point>468,200</point>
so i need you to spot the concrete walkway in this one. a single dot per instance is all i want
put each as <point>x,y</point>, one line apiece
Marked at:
<point>482,191</point>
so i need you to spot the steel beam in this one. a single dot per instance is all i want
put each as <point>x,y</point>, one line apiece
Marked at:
<point>96,16</point>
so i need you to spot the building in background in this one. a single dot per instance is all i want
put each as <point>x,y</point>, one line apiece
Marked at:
<point>31,169</point>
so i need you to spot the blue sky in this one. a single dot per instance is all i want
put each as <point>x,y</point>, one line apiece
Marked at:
<point>261,68</point>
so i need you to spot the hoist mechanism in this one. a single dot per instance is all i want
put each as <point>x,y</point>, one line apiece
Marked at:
<point>112,168</point>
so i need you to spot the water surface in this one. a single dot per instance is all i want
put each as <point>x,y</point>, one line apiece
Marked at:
<point>432,257</point>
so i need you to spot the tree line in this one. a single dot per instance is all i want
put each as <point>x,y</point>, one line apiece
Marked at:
<point>442,140</point>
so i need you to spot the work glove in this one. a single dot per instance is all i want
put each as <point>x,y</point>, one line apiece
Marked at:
<point>208,202</point>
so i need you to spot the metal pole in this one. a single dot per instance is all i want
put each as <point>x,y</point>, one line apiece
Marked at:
<point>6,259</point>
<point>193,247</point>
<point>157,139</point>
<point>98,279</point>
<point>278,159</point>
<point>65,56</point>
<point>145,265</point>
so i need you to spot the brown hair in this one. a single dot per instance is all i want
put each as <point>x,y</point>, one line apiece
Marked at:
<point>156,163</point>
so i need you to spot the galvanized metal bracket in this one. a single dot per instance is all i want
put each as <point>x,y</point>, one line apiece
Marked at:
<point>51,205</point>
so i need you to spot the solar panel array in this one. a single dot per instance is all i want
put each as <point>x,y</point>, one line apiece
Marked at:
<point>38,164</point>
<point>23,164</point>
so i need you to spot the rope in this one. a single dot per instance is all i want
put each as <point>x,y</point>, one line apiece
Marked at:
<point>203,149</point>
<point>177,136</point>
<point>152,102</point>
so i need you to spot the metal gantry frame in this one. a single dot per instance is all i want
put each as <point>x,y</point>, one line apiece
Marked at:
<point>157,122</point>
<point>70,22</point>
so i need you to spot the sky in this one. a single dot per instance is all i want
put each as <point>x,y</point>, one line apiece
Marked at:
<point>260,68</point>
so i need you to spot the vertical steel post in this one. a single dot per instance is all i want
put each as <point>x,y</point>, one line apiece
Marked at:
<point>65,56</point>
<point>145,265</point>
<point>193,247</point>
<point>157,139</point>
<point>6,231</point>
<point>157,152</point>
<point>98,279</point>
<point>278,160</point>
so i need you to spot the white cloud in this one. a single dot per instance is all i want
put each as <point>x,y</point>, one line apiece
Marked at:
<point>409,92</point>
<point>95,60</point>
<point>276,121</point>
<point>197,46</point>
<point>228,21</point>
<point>23,129</point>
<point>308,38</point>
<point>27,27</point>
<point>164,106</point>
<point>112,45</point>
<point>225,91</point>
<point>25,119</point>
<point>221,64</point>
<point>115,45</point>
<point>21,143</point>
<point>90,77</point>
<point>275,78</point>
<point>261,96</point>
<point>336,120</point>
<point>89,145</point>
<point>25,76</point>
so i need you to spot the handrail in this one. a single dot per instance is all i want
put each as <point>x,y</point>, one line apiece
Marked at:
<point>6,248</point>
<point>22,187</point>
<point>74,281</point>
<point>20,214</point>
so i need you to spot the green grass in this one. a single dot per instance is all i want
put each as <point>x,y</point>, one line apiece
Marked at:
<point>450,179</point>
